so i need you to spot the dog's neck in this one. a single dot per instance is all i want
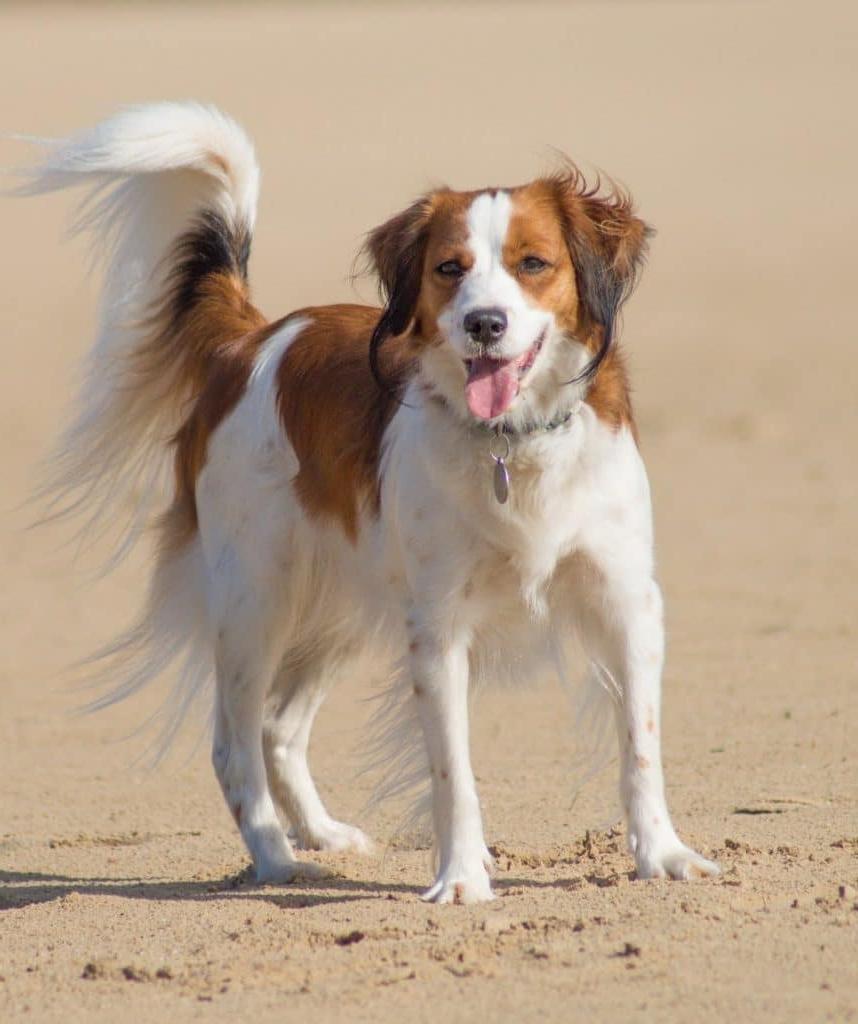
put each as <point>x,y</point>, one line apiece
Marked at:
<point>527,429</point>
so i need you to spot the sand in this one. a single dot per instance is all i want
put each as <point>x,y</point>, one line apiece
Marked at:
<point>123,892</point>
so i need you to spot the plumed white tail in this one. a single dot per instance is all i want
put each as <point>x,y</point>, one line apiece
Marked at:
<point>171,192</point>
<point>150,172</point>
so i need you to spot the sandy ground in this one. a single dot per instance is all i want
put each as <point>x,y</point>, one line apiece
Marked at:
<point>121,891</point>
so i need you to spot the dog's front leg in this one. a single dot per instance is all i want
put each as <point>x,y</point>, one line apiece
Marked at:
<point>627,639</point>
<point>439,672</point>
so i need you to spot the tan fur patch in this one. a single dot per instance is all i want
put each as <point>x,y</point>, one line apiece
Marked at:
<point>536,230</point>
<point>205,334</point>
<point>220,337</point>
<point>609,395</point>
<point>335,414</point>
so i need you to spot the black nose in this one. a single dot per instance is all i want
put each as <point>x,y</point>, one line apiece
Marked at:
<point>485,326</point>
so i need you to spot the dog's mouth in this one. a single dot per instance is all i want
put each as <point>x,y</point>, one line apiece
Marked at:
<point>493,384</point>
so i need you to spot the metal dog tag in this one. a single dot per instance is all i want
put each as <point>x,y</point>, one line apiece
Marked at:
<point>500,478</point>
<point>501,481</point>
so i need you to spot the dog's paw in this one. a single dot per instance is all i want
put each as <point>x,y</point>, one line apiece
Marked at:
<point>460,886</point>
<point>676,861</point>
<point>286,871</point>
<point>333,837</point>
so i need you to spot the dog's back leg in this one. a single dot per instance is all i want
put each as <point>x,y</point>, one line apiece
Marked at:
<point>297,695</point>
<point>247,652</point>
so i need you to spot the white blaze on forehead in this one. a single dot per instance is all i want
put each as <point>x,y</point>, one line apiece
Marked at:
<point>488,283</point>
<point>488,223</point>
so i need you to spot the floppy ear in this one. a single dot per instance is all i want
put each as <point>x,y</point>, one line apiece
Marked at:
<point>396,251</point>
<point>608,246</point>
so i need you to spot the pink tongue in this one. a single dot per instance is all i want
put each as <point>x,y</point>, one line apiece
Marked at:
<point>492,385</point>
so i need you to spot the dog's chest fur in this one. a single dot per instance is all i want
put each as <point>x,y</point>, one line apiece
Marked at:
<point>521,559</point>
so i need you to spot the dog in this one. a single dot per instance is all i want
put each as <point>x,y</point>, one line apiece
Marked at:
<point>446,489</point>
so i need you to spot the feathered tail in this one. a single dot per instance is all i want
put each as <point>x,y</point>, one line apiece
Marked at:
<point>171,202</point>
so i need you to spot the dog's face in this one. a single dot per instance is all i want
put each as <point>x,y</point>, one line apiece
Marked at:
<point>509,294</point>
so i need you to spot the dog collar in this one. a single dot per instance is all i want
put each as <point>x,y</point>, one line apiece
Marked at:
<point>527,430</point>
<point>532,428</point>
<point>500,441</point>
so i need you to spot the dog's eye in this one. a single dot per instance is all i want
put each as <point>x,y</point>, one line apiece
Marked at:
<point>532,265</point>
<point>450,268</point>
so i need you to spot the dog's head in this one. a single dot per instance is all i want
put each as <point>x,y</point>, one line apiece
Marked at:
<point>508,294</point>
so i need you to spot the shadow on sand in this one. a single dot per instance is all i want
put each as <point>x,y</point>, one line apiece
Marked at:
<point>23,888</point>
<point>20,889</point>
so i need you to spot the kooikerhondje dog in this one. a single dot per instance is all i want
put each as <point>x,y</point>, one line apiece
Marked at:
<point>450,485</point>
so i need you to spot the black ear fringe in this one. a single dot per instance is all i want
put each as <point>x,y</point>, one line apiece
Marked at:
<point>397,313</point>
<point>592,368</point>
<point>399,309</point>
<point>381,332</point>
<point>395,251</point>
<point>604,289</point>
<point>608,254</point>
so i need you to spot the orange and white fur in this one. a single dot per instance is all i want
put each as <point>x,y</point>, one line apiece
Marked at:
<point>322,486</point>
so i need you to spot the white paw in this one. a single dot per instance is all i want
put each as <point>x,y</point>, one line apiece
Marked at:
<point>673,861</point>
<point>460,886</point>
<point>286,871</point>
<point>333,837</point>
